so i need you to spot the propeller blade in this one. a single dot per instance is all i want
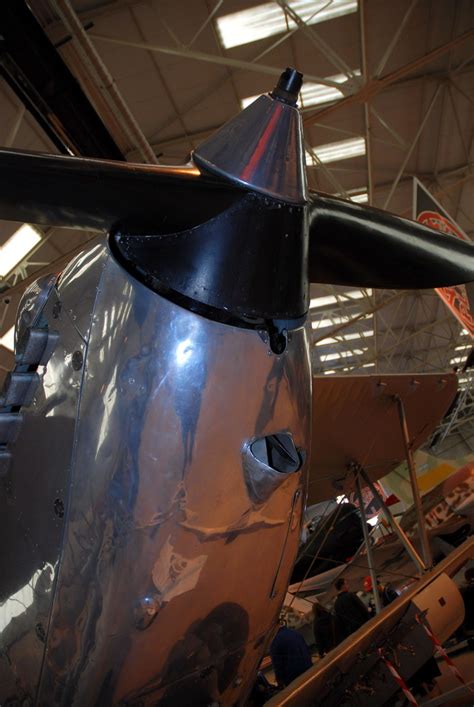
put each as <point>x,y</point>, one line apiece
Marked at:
<point>365,247</point>
<point>98,194</point>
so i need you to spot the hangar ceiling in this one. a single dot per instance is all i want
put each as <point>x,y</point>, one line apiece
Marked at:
<point>388,96</point>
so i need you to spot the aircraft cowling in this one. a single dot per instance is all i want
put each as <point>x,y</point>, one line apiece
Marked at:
<point>144,603</point>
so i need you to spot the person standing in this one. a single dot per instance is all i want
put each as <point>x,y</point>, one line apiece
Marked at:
<point>327,629</point>
<point>350,610</point>
<point>290,655</point>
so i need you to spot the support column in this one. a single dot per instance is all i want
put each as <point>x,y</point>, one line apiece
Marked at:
<point>373,576</point>
<point>395,526</point>
<point>425,545</point>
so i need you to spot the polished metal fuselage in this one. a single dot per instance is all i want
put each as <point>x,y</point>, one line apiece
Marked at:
<point>163,581</point>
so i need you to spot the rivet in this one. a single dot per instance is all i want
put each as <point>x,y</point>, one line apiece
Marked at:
<point>59,508</point>
<point>77,360</point>
<point>56,310</point>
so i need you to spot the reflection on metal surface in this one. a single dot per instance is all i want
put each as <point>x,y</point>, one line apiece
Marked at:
<point>309,686</point>
<point>174,574</point>
<point>31,304</point>
<point>156,598</point>
<point>33,497</point>
<point>19,603</point>
<point>77,299</point>
<point>270,155</point>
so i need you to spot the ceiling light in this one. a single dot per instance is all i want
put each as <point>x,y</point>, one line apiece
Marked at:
<point>327,373</point>
<point>368,365</point>
<point>463,347</point>
<point>17,247</point>
<point>458,359</point>
<point>340,150</point>
<point>8,339</point>
<point>312,93</point>
<point>268,19</point>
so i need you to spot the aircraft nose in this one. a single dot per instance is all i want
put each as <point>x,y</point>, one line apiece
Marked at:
<point>262,147</point>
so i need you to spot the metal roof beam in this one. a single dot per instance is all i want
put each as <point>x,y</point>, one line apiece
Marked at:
<point>34,70</point>
<point>375,86</point>
<point>209,58</point>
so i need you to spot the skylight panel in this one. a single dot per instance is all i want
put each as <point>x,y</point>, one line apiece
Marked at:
<point>360,198</point>
<point>332,299</point>
<point>17,247</point>
<point>8,339</point>
<point>312,93</point>
<point>346,337</point>
<point>340,150</point>
<point>269,19</point>
<point>334,321</point>
<point>342,354</point>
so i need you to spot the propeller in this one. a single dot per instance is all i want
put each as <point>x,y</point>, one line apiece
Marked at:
<point>361,246</point>
<point>234,233</point>
<point>102,195</point>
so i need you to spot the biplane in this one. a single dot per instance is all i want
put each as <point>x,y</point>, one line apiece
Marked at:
<point>156,435</point>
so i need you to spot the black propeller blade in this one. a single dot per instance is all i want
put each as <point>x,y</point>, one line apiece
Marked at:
<point>97,194</point>
<point>364,247</point>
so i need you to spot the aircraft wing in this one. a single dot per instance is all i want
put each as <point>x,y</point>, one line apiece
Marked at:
<point>355,418</point>
<point>392,564</point>
<point>354,664</point>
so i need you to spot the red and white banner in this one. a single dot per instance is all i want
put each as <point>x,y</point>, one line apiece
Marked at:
<point>426,210</point>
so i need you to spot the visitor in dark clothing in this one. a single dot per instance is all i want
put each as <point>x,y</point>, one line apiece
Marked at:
<point>327,629</point>
<point>349,609</point>
<point>290,655</point>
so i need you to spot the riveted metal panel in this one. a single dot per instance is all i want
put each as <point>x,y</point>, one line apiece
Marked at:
<point>172,577</point>
<point>33,503</point>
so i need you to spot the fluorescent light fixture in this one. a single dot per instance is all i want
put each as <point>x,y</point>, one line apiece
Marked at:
<point>17,247</point>
<point>463,347</point>
<point>458,359</point>
<point>340,150</point>
<point>328,373</point>
<point>346,337</point>
<point>312,93</point>
<point>333,299</point>
<point>268,19</point>
<point>368,365</point>
<point>8,339</point>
